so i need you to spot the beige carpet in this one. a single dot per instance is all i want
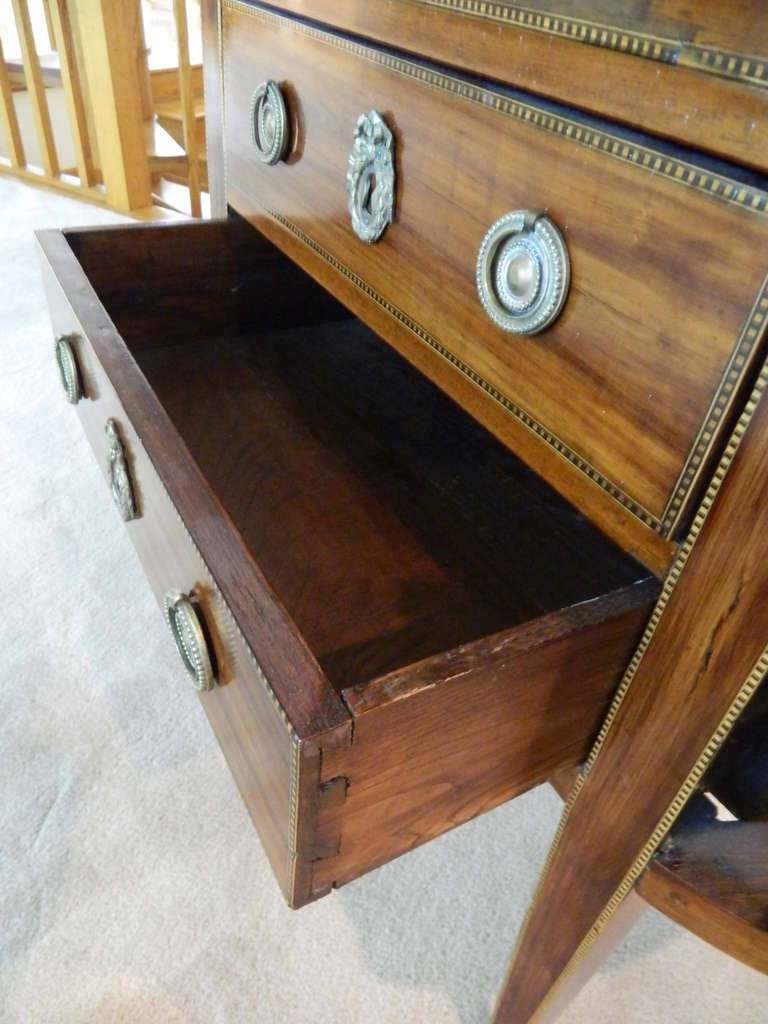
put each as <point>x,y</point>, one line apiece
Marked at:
<point>132,886</point>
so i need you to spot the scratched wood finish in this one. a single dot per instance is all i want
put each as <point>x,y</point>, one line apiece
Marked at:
<point>677,699</point>
<point>712,878</point>
<point>672,100</point>
<point>626,375</point>
<point>284,468</point>
<point>453,736</point>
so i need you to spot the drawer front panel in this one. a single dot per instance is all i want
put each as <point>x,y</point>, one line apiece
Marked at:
<point>277,776</point>
<point>632,386</point>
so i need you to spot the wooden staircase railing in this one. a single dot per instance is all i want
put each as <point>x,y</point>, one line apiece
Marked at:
<point>119,151</point>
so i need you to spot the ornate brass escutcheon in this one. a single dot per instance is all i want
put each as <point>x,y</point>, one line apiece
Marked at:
<point>371,177</point>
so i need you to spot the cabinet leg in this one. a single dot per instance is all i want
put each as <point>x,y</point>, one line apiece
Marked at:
<point>702,657</point>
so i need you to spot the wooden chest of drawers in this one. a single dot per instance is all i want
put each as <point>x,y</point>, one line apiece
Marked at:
<point>406,554</point>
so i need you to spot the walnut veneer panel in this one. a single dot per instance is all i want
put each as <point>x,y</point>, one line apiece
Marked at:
<point>632,387</point>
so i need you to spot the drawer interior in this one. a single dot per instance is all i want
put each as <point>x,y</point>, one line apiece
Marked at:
<point>389,524</point>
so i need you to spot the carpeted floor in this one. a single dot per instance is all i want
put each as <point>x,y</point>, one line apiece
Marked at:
<point>132,886</point>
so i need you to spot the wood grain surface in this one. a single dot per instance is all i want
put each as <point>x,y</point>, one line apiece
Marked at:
<point>255,736</point>
<point>453,736</point>
<point>624,379</point>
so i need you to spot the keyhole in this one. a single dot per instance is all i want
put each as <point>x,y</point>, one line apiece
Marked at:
<point>365,191</point>
<point>368,202</point>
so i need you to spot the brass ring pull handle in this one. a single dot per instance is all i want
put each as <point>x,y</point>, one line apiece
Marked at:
<point>269,123</point>
<point>371,178</point>
<point>190,639</point>
<point>119,474</point>
<point>66,360</point>
<point>523,272</point>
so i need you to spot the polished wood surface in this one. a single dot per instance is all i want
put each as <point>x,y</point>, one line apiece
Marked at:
<point>674,95</point>
<point>625,378</point>
<point>444,589</point>
<point>712,878</point>
<point>678,704</point>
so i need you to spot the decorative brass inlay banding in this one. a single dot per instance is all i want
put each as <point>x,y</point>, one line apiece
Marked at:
<point>521,415</point>
<point>732,377</point>
<point>610,37</point>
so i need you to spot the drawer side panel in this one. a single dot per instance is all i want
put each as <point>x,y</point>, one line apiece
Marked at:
<point>276,773</point>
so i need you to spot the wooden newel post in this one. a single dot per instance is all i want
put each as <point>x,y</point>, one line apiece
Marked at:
<point>108,33</point>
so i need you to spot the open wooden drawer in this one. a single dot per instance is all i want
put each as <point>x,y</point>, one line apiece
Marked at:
<point>406,626</point>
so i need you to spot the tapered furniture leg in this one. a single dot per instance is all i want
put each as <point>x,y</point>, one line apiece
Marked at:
<point>701,659</point>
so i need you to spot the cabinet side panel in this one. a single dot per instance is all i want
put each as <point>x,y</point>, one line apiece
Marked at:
<point>214,102</point>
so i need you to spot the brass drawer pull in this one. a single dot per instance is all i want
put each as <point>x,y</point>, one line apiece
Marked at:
<point>66,360</point>
<point>523,272</point>
<point>269,123</point>
<point>371,177</point>
<point>119,474</point>
<point>188,633</point>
